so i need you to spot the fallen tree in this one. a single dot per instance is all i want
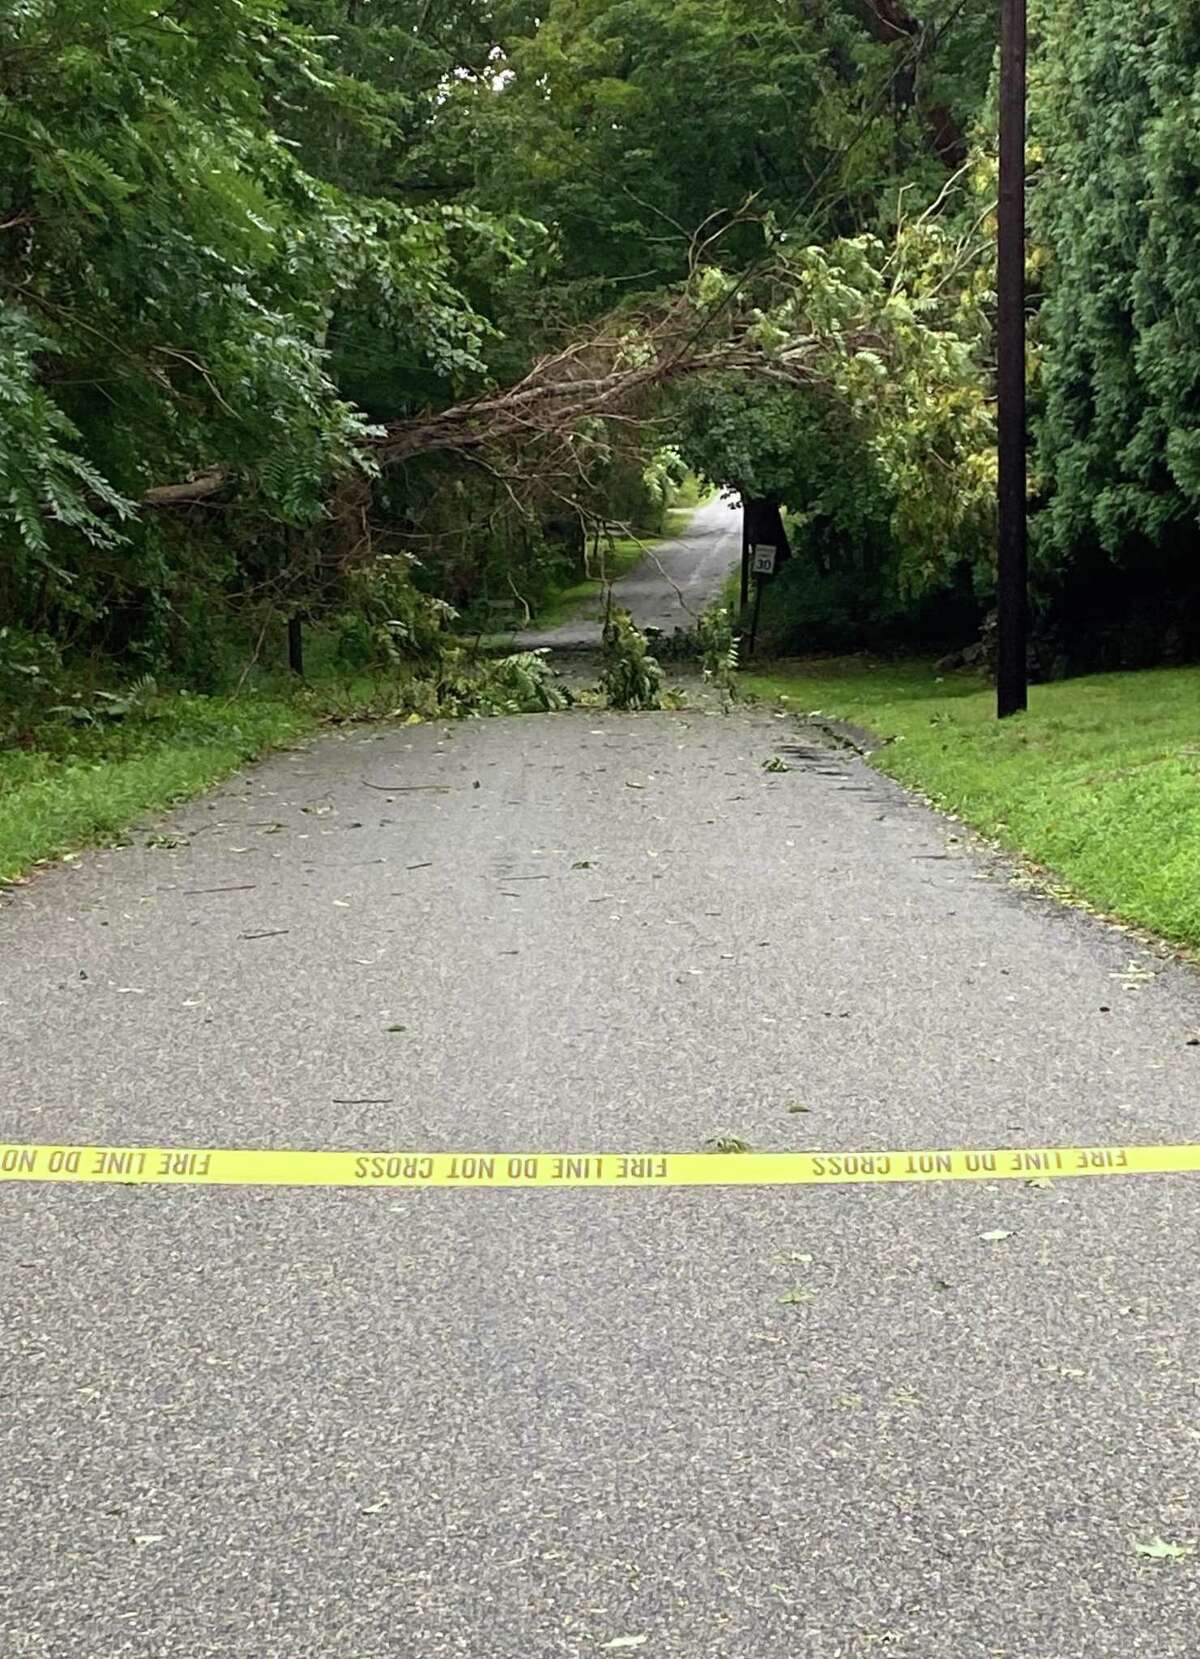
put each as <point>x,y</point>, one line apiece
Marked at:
<point>894,336</point>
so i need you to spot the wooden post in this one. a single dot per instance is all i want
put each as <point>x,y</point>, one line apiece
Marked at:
<point>745,589</point>
<point>759,583</point>
<point>1011,553</point>
<point>295,646</point>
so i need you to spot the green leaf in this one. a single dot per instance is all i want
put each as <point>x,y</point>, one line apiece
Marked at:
<point>1159,1549</point>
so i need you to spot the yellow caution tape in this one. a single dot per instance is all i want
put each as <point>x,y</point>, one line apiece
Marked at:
<point>198,1166</point>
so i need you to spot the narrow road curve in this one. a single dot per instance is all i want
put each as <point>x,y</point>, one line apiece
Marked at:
<point>671,587</point>
<point>929,1422</point>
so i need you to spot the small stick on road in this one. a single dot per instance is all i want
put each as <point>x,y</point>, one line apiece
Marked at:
<point>407,788</point>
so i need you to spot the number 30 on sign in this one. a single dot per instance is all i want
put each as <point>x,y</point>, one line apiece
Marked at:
<point>763,559</point>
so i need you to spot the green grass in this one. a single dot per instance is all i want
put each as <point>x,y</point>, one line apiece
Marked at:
<point>91,784</point>
<point>1099,781</point>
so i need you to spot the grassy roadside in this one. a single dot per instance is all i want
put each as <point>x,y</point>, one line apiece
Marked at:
<point>90,785</point>
<point>76,785</point>
<point>1099,781</point>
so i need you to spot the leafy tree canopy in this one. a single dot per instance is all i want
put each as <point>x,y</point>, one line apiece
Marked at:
<point>1118,216</point>
<point>169,273</point>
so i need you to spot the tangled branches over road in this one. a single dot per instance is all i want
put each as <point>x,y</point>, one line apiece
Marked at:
<point>891,333</point>
<point>610,374</point>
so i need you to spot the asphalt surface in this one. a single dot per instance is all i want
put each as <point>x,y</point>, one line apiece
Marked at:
<point>538,1425</point>
<point>671,587</point>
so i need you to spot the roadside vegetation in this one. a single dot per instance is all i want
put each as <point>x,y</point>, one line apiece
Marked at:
<point>88,769</point>
<point>1099,782</point>
<point>72,789</point>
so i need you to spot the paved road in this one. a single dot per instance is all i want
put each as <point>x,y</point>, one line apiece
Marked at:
<point>672,586</point>
<point>327,1425</point>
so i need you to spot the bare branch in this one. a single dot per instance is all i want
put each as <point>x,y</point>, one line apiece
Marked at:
<point>202,484</point>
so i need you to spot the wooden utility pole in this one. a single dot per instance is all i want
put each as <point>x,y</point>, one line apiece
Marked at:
<point>1011,556</point>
